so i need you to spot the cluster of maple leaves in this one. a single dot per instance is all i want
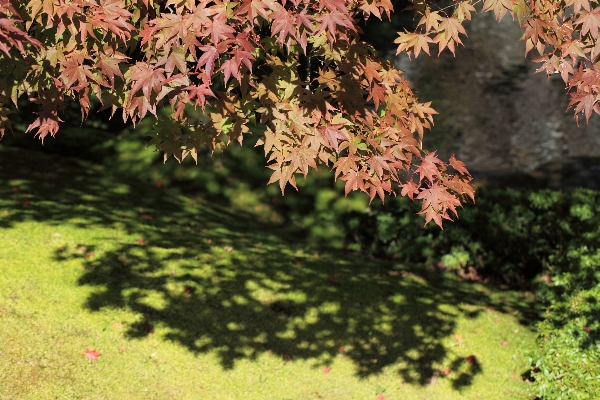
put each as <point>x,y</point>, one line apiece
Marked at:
<point>296,67</point>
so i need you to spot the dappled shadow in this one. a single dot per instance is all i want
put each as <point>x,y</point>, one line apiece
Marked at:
<point>218,282</point>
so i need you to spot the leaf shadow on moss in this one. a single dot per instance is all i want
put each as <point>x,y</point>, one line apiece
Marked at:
<point>214,281</point>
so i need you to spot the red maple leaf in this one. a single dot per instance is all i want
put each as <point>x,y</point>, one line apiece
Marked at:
<point>329,22</point>
<point>410,189</point>
<point>458,165</point>
<point>283,23</point>
<point>207,60</point>
<point>429,167</point>
<point>218,29</point>
<point>326,370</point>
<point>91,354</point>
<point>254,8</point>
<point>471,359</point>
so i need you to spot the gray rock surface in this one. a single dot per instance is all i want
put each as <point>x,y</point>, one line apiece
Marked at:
<point>496,115</point>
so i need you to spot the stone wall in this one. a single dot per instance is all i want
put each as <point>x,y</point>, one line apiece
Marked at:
<point>496,114</point>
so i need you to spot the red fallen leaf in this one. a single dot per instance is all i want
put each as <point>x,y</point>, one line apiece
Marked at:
<point>89,255</point>
<point>380,396</point>
<point>587,329</point>
<point>188,291</point>
<point>159,184</point>
<point>471,359</point>
<point>504,344</point>
<point>91,354</point>
<point>342,349</point>
<point>142,241</point>
<point>25,202</point>
<point>446,372</point>
<point>333,281</point>
<point>149,329</point>
<point>122,349</point>
<point>326,370</point>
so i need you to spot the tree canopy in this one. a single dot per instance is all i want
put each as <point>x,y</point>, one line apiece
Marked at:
<point>297,68</point>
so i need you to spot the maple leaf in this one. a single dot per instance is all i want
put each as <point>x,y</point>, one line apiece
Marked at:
<point>578,5</point>
<point>283,23</point>
<point>218,29</point>
<point>436,203</point>
<point>370,8</point>
<point>410,189</point>
<point>429,167</point>
<point>590,22</point>
<point>75,72</point>
<point>355,180</point>
<point>372,71</point>
<point>199,93</point>
<point>431,20</point>
<point>91,354</point>
<point>230,67</point>
<point>47,120</point>
<point>11,36</point>
<point>458,165</point>
<point>333,133</point>
<point>450,29</point>
<point>326,370</point>
<point>412,42</point>
<point>500,7</point>
<point>207,60</point>
<point>586,102</point>
<point>471,359</point>
<point>254,9</point>
<point>147,78</point>
<point>109,65</point>
<point>329,22</point>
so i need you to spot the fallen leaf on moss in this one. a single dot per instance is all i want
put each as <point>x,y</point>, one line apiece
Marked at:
<point>91,354</point>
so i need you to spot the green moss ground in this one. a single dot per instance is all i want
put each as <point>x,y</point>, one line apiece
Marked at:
<point>186,300</point>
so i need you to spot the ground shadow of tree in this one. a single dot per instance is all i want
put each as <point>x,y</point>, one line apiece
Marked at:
<point>215,281</point>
